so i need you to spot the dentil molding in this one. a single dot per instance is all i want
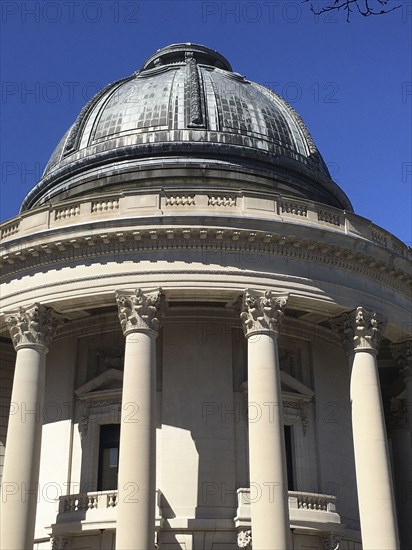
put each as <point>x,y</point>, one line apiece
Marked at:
<point>122,244</point>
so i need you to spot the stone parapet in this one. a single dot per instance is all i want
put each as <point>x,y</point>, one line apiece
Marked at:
<point>272,207</point>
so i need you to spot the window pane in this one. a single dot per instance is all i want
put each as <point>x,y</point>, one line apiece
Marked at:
<point>289,457</point>
<point>108,457</point>
<point>113,457</point>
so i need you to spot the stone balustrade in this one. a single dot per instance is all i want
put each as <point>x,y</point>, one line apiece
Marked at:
<point>73,212</point>
<point>304,509</point>
<point>87,501</point>
<point>91,509</point>
<point>312,501</point>
<point>76,505</point>
<point>88,512</point>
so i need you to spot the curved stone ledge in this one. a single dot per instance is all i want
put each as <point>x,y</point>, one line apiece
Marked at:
<point>231,203</point>
<point>56,248</point>
<point>88,511</point>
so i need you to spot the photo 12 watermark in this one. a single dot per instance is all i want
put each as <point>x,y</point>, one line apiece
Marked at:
<point>21,171</point>
<point>48,92</point>
<point>251,12</point>
<point>70,12</point>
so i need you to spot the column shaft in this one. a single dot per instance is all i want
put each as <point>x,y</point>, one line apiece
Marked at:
<point>261,314</point>
<point>374,481</point>
<point>137,455</point>
<point>268,479</point>
<point>139,317</point>
<point>22,460</point>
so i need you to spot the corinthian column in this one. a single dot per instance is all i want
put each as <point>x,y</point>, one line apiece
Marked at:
<point>360,332</point>
<point>139,317</point>
<point>31,331</point>
<point>261,316</point>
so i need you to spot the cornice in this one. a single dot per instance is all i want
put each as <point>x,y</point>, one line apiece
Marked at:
<point>59,249</point>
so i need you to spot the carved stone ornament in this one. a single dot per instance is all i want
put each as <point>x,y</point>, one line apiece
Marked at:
<point>34,325</point>
<point>60,543</point>
<point>396,414</point>
<point>195,108</point>
<point>84,422</point>
<point>244,539</point>
<point>302,411</point>
<point>91,411</point>
<point>359,330</point>
<point>141,311</point>
<point>331,542</point>
<point>402,352</point>
<point>261,313</point>
<point>106,360</point>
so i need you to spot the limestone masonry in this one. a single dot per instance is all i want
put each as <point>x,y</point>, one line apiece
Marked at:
<point>203,346</point>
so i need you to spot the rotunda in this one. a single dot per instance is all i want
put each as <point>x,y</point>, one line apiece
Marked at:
<point>203,346</point>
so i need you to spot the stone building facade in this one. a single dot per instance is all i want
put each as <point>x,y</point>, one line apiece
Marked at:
<point>203,346</point>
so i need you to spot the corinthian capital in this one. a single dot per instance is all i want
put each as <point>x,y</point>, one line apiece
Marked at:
<point>359,330</point>
<point>140,311</point>
<point>32,326</point>
<point>244,539</point>
<point>331,542</point>
<point>261,313</point>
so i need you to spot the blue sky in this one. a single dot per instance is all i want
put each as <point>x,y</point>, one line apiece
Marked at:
<point>351,82</point>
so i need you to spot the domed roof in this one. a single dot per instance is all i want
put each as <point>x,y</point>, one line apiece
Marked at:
<point>187,110</point>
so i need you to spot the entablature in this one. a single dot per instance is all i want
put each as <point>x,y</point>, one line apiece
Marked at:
<point>102,244</point>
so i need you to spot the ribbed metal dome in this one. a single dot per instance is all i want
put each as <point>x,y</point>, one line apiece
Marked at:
<point>186,107</point>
